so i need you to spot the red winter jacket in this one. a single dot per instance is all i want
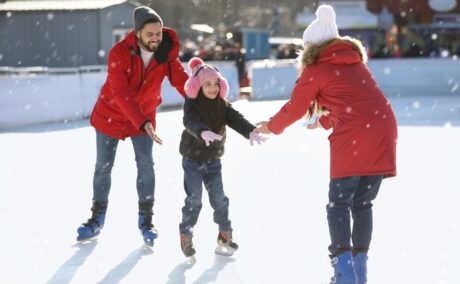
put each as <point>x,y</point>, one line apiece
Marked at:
<point>363,139</point>
<point>131,94</point>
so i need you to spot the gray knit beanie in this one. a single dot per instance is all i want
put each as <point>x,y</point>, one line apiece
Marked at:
<point>143,14</point>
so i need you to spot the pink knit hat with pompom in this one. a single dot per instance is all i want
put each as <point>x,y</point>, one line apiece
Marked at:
<point>201,73</point>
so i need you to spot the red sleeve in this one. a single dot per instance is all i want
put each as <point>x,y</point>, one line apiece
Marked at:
<point>304,92</point>
<point>325,121</point>
<point>120,90</point>
<point>177,76</point>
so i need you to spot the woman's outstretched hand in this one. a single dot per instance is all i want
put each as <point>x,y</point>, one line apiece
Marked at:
<point>263,127</point>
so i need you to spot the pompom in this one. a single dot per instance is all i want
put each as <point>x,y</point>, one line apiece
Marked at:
<point>195,61</point>
<point>325,13</point>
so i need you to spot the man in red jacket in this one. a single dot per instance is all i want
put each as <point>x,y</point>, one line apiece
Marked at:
<point>335,79</point>
<point>126,107</point>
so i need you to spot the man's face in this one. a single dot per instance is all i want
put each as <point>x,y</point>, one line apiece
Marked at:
<point>150,36</point>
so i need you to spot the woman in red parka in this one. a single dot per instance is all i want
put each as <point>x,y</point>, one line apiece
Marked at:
<point>126,107</point>
<point>336,81</point>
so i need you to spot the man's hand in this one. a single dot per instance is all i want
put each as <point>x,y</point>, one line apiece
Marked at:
<point>209,136</point>
<point>263,127</point>
<point>148,127</point>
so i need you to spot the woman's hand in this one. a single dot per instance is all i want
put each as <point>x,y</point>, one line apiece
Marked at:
<point>263,127</point>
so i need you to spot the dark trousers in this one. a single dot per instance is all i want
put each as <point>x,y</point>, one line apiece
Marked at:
<point>351,196</point>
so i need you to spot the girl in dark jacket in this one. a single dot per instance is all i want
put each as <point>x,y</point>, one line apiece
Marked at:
<point>206,114</point>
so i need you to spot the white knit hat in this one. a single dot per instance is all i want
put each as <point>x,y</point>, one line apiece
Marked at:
<point>323,27</point>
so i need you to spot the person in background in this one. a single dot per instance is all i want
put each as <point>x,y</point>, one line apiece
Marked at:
<point>127,107</point>
<point>336,82</point>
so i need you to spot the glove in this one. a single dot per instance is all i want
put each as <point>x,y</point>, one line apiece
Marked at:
<point>254,136</point>
<point>209,136</point>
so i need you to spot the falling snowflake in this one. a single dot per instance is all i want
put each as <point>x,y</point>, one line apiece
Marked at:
<point>9,14</point>
<point>387,70</point>
<point>434,36</point>
<point>50,16</point>
<point>454,88</point>
<point>416,104</point>
<point>101,53</point>
<point>448,125</point>
<point>1,56</point>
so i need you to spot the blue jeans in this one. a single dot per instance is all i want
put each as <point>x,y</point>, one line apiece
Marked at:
<point>351,195</point>
<point>106,150</point>
<point>195,174</point>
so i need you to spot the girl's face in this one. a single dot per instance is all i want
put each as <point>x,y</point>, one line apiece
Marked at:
<point>211,88</point>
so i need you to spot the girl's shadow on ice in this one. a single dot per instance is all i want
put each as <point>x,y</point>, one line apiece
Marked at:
<point>177,276</point>
<point>121,270</point>
<point>67,270</point>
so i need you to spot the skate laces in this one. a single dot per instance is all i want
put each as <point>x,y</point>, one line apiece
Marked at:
<point>186,241</point>
<point>146,222</point>
<point>225,236</point>
<point>94,218</point>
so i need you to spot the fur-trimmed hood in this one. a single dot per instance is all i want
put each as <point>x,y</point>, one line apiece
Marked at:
<point>343,50</point>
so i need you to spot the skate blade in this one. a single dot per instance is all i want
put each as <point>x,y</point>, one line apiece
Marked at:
<point>191,260</point>
<point>224,250</point>
<point>82,240</point>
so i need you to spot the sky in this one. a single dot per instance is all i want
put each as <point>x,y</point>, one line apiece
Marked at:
<point>277,191</point>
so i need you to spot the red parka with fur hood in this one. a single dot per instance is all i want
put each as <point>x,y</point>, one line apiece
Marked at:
<point>132,93</point>
<point>363,139</point>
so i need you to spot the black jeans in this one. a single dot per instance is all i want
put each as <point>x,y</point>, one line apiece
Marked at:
<point>351,195</point>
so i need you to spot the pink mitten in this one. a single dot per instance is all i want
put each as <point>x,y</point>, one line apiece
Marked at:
<point>209,136</point>
<point>254,136</point>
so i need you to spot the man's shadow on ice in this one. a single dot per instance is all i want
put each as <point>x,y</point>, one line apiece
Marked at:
<point>177,276</point>
<point>67,270</point>
<point>123,268</point>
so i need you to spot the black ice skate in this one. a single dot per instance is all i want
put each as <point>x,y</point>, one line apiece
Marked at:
<point>225,244</point>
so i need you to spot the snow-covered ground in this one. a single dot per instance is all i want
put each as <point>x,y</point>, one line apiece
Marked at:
<point>277,191</point>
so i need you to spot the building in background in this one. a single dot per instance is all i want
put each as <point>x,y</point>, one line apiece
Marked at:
<point>61,33</point>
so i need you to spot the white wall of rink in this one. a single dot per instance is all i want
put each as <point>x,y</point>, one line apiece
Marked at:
<point>396,77</point>
<point>69,94</point>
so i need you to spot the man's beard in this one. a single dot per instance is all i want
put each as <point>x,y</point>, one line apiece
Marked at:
<point>146,46</point>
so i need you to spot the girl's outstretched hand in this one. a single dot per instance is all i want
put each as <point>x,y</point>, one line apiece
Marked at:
<point>254,136</point>
<point>262,127</point>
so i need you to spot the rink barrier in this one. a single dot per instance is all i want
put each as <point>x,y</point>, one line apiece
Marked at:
<point>38,94</point>
<point>396,77</point>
